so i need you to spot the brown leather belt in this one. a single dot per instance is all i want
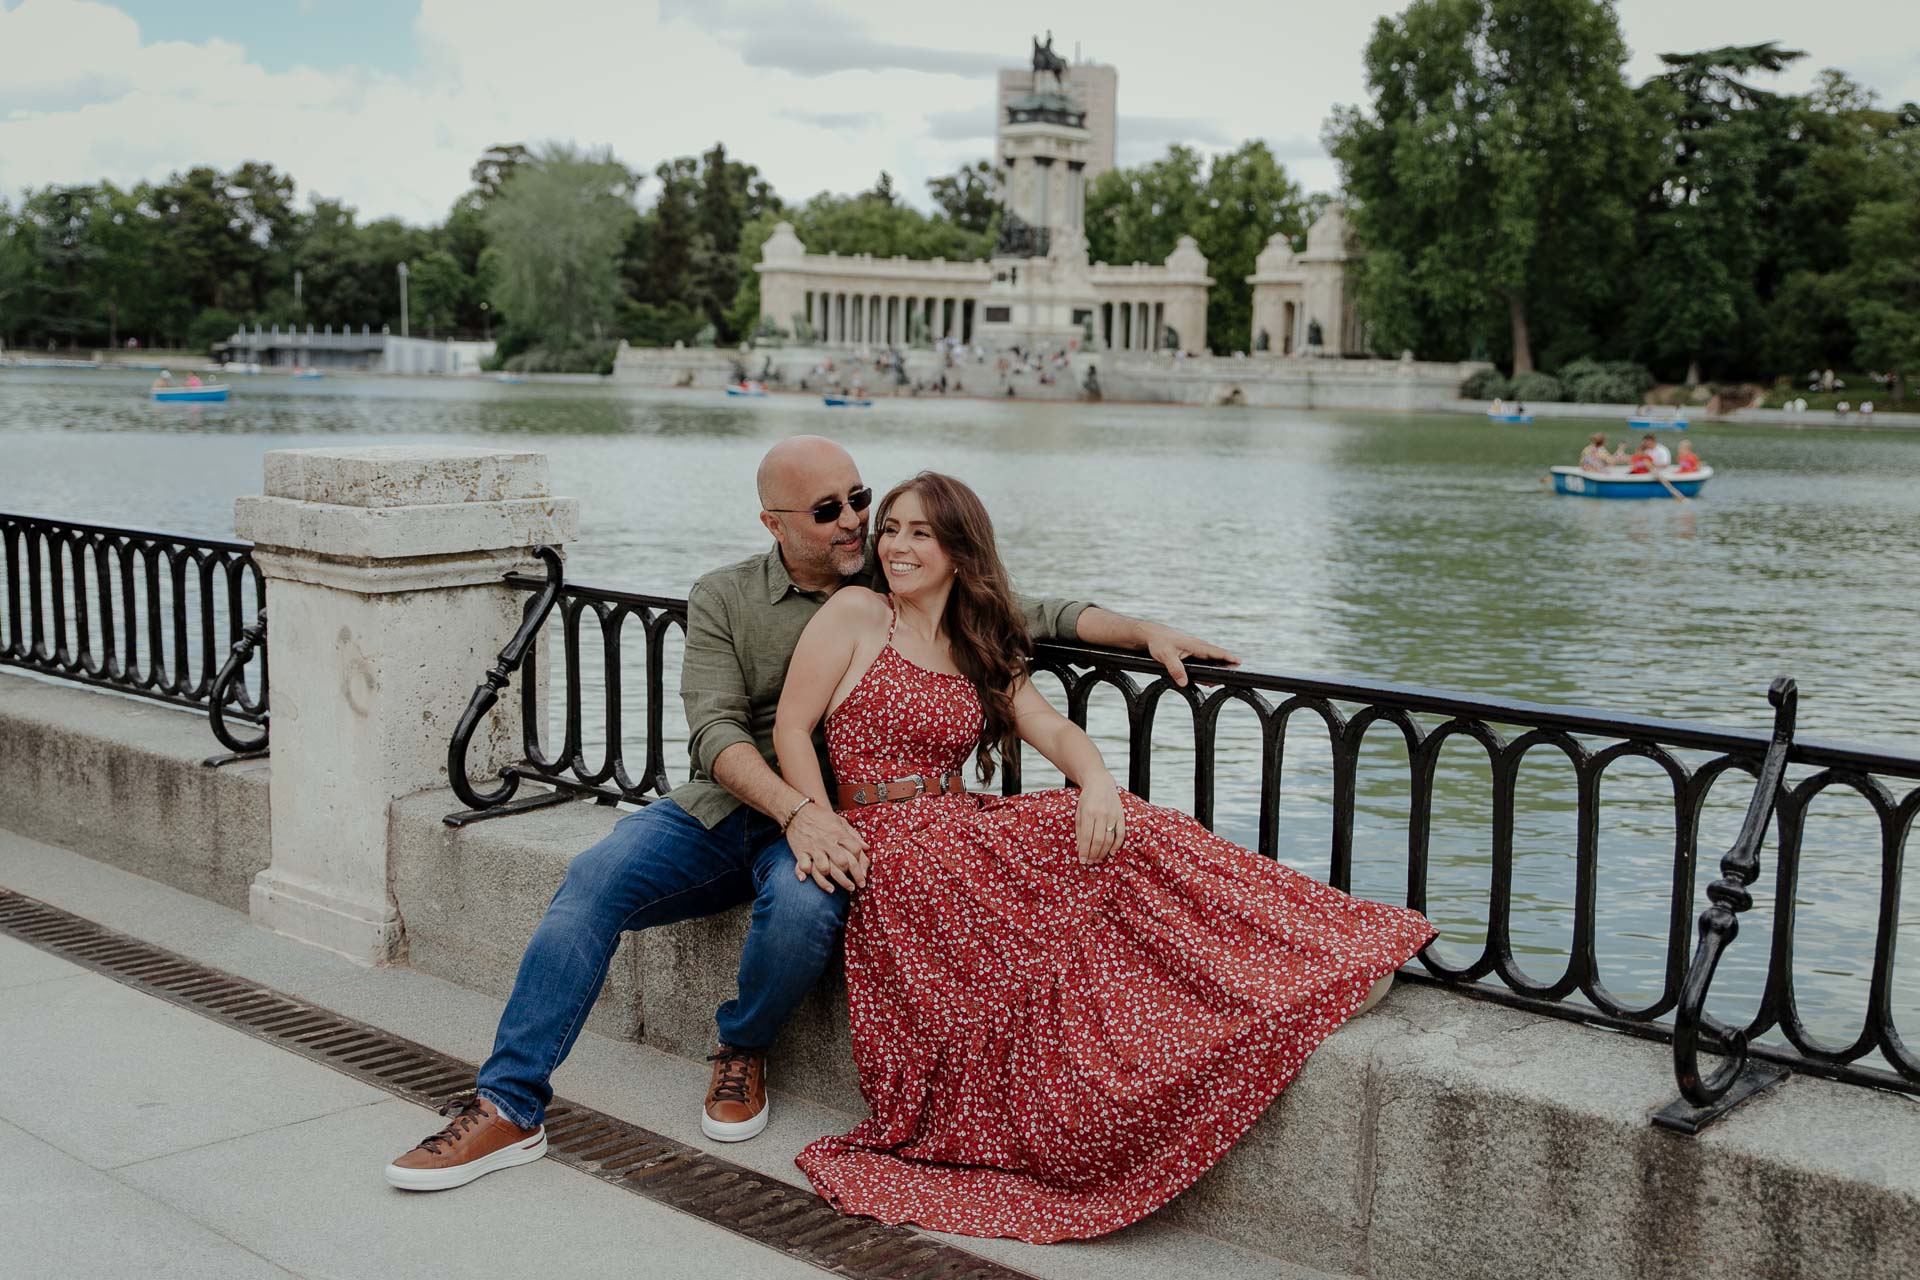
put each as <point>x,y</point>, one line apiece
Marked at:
<point>853,795</point>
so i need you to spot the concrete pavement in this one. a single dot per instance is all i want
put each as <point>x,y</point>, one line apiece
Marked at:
<point>139,1138</point>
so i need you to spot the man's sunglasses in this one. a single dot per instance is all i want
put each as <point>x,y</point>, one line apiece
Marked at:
<point>829,511</point>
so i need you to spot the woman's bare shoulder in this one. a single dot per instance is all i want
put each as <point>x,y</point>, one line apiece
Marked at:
<point>855,605</point>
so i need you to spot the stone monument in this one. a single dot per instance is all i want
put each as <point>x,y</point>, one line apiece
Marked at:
<point>1041,294</point>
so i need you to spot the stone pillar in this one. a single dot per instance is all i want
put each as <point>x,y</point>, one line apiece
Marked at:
<point>385,608</point>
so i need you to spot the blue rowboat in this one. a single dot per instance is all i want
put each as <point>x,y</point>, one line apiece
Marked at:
<point>1658,420</point>
<point>511,379</point>
<point>1509,417</point>
<point>1617,483</point>
<point>755,390</point>
<point>212,391</point>
<point>847,402</point>
<point>310,373</point>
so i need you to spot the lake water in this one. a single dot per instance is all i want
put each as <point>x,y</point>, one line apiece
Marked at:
<point>1413,549</point>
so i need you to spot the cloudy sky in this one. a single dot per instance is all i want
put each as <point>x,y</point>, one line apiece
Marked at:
<point>386,103</point>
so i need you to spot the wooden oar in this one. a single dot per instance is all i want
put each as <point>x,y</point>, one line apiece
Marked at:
<point>1661,477</point>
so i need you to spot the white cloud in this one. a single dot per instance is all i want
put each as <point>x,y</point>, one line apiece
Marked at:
<point>819,95</point>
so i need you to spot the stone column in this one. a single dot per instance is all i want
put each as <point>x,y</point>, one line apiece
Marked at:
<point>385,607</point>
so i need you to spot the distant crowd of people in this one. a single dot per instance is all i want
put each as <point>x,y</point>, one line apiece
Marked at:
<point>1651,458</point>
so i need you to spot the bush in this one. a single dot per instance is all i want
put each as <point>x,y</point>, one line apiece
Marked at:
<point>1488,384</point>
<point>1538,387</point>
<point>211,326</point>
<point>1614,382</point>
<point>586,357</point>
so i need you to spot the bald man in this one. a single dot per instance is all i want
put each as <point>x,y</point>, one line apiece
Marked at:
<point>735,832</point>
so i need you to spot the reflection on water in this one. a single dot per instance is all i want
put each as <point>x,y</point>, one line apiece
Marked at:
<point>1420,550</point>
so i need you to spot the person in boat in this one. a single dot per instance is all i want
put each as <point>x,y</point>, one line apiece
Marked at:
<point>165,381</point>
<point>1688,461</point>
<point>1651,456</point>
<point>193,380</point>
<point>1596,456</point>
<point>1050,993</point>
<point>734,833</point>
<point>1495,406</point>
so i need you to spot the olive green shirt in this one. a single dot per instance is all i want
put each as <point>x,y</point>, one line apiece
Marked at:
<point>743,622</point>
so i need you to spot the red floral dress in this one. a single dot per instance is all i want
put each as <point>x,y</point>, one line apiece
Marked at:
<point>1052,1051</point>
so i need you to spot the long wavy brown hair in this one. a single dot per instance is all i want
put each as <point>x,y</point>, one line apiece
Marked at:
<point>985,631</point>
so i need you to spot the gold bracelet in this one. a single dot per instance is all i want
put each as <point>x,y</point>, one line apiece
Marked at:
<point>788,821</point>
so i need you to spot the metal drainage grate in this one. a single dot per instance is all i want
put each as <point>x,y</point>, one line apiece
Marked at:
<point>764,1210</point>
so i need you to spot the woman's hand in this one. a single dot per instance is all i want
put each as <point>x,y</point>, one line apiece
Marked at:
<point>1100,825</point>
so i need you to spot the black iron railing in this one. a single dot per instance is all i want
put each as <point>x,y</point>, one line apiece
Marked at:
<point>596,625</point>
<point>159,615</point>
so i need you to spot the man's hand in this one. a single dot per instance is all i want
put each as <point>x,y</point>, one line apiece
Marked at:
<point>826,849</point>
<point>1171,648</point>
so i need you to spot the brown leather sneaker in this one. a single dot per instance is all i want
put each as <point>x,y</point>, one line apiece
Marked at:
<point>477,1141</point>
<point>737,1096</point>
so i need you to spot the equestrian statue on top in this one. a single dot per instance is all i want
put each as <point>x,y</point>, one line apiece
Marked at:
<point>1045,59</point>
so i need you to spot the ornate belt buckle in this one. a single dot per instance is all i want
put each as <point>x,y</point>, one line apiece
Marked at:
<point>860,795</point>
<point>920,785</point>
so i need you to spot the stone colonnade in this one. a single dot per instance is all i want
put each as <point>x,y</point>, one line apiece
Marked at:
<point>1131,325</point>
<point>885,318</point>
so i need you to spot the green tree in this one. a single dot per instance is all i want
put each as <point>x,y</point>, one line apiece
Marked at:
<point>556,229</point>
<point>967,196</point>
<point>1138,214</point>
<point>1884,239</point>
<point>1248,199</point>
<point>1492,174</point>
<point>1704,236</point>
<point>1230,206</point>
<point>57,220</point>
<point>437,288</point>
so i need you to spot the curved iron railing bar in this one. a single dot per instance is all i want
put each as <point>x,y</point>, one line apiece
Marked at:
<point>1587,894</point>
<point>1425,765</point>
<point>613,633</point>
<point>658,620</point>
<point>1331,719</point>
<point>1719,923</point>
<point>1206,725</point>
<point>251,638</point>
<point>1685,872</point>
<point>1347,779</point>
<point>1893,862</point>
<point>1502,958</point>
<point>484,697</point>
<point>1140,737</point>
<point>1793,818</point>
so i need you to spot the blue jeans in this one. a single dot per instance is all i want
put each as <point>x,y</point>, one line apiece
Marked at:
<point>659,865</point>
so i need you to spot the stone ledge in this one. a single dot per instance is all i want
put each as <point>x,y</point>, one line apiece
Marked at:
<point>120,780</point>
<point>405,475</point>
<point>384,533</point>
<point>1436,1132</point>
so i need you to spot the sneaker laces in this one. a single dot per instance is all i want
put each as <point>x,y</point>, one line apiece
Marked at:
<point>736,1073</point>
<point>466,1113</point>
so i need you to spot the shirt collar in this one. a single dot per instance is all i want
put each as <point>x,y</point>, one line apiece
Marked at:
<point>779,581</point>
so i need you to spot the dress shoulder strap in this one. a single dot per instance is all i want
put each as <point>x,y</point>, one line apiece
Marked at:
<point>893,617</point>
